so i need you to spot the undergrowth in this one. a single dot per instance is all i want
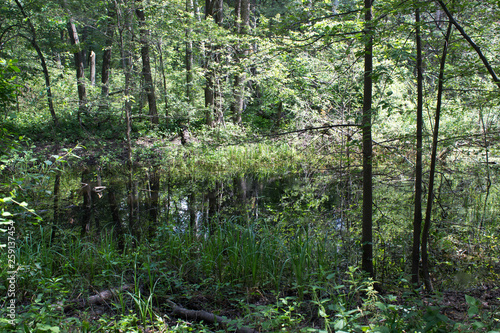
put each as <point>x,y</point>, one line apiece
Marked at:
<point>250,274</point>
<point>271,275</point>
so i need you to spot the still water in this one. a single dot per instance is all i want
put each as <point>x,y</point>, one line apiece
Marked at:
<point>92,200</point>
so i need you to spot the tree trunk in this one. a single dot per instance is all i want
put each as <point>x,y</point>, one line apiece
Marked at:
<point>125,49</point>
<point>35,45</point>
<point>123,24</point>
<point>189,57</point>
<point>417,219</point>
<point>430,194</point>
<point>79,65</point>
<point>242,27</point>
<point>106,56</point>
<point>213,95</point>
<point>92,68</point>
<point>367,245</point>
<point>164,77</point>
<point>146,64</point>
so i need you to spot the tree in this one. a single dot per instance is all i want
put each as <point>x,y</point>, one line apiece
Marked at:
<point>189,56</point>
<point>123,25</point>
<point>213,94</point>
<point>417,219</point>
<point>80,69</point>
<point>469,40</point>
<point>33,41</point>
<point>366,238</point>
<point>242,16</point>
<point>430,192</point>
<point>106,56</point>
<point>146,63</point>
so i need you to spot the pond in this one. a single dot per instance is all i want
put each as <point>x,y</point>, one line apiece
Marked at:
<point>92,200</point>
<point>316,212</point>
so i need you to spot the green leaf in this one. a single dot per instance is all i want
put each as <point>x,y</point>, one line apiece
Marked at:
<point>473,305</point>
<point>471,301</point>
<point>339,324</point>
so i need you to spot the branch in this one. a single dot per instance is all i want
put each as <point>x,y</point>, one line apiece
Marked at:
<point>208,317</point>
<point>97,299</point>
<point>471,42</point>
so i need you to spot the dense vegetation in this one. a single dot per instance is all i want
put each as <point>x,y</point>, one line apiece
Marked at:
<point>251,166</point>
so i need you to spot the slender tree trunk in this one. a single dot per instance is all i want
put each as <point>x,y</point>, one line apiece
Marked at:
<point>242,51</point>
<point>367,243</point>
<point>34,43</point>
<point>486,145</point>
<point>126,58</point>
<point>213,95</point>
<point>189,57</point>
<point>106,56</point>
<point>430,194</point>
<point>164,79</point>
<point>123,24</point>
<point>146,64</point>
<point>417,219</point>
<point>79,65</point>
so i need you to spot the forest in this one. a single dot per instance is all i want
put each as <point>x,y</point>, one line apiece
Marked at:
<point>250,166</point>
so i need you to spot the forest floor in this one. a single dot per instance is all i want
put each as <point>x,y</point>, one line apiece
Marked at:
<point>452,304</point>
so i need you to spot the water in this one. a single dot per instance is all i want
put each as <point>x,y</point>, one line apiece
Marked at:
<point>93,200</point>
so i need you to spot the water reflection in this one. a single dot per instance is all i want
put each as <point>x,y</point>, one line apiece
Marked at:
<point>138,203</point>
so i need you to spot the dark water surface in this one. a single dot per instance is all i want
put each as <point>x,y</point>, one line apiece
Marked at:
<point>137,203</point>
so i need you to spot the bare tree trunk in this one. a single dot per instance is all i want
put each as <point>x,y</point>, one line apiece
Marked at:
<point>92,68</point>
<point>146,64</point>
<point>366,241</point>
<point>35,45</point>
<point>79,65</point>
<point>417,219</point>
<point>430,194</point>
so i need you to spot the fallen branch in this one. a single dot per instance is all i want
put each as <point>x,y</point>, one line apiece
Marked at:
<point>97,299</point>
<point>106,295</point>
<point>208,317</point>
